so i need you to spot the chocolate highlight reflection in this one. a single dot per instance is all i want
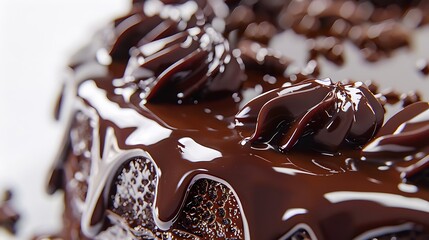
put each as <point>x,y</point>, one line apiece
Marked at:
<point>154,146</point>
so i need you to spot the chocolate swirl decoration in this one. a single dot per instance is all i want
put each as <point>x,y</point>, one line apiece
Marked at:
<point>319,113</point>
<point>147,21</point>
<point>151,21</point>
<point>186,67</point>
<point>404,139</point>
<point>403,134</point>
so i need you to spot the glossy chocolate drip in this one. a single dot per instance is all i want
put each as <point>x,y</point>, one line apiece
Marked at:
<point>210,209</point>
<point>199,156</point>
<point>322,114</point>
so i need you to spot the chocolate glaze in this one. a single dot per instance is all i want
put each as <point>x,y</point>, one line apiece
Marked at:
<point>341,192</point>
<point>302,193</point>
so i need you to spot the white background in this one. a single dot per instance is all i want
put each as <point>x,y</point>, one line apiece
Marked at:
<point>36,39</point>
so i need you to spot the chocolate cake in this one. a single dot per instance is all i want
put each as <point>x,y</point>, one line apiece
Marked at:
<point>186,121</point>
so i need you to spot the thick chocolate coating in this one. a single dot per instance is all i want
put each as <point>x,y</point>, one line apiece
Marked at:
<point>135,165</point>
<point>201,145</point>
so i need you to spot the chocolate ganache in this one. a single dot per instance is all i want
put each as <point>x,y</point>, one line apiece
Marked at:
<point>170,135</point>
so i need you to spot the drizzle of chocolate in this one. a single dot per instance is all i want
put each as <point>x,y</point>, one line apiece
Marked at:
<point>8,216</point>
<point>210,208</point>
<point>189,66</point>
<point>330,115</point>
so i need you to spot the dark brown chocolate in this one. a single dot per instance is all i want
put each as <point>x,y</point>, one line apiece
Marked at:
<point>403,134</point>
<point>185,67</point>
<point>330,47</point>
<point>320,113</point>
<point>361,22</point>
<point>258,56</point>
<point>410,98</point>
<point>137,164</point>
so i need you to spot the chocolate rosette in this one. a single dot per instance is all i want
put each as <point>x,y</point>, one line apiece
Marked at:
<point>187,67</point>
<point>319,113</point>
<point>151,21</point>
<point>146,22</point>
<point>407,132</point>
<point>404,140</point>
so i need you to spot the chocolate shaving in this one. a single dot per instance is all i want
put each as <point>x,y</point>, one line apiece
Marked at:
<point>376,31</point>
<point>391,96</point>
<point>410,98</point>
<point>331,48</point>
<point>423,66</point>
<point>258,56</point>
<point>260,32</point>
